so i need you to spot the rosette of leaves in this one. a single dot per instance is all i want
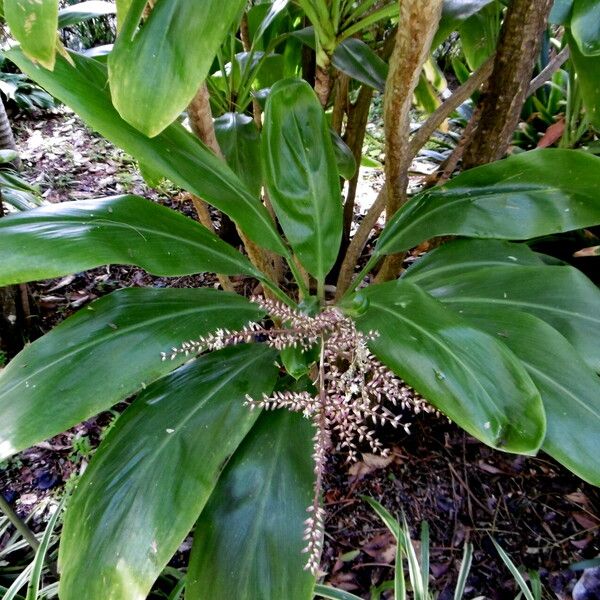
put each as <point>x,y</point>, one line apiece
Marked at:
<point>499,338</point>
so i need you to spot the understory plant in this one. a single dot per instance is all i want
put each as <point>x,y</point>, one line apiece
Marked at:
<point>229,434</point>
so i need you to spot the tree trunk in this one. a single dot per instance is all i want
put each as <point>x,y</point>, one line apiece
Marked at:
<point>14,302</point>
<point>501,103</point>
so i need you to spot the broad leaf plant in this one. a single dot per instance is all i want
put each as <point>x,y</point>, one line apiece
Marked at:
<point>228,435</point>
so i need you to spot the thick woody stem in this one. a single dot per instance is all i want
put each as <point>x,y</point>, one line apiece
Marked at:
<point>417,26</point>
<point>503,98</point>
<point>323,84</point>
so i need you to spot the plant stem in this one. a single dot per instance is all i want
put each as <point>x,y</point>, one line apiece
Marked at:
<point>18,523</point>
<point>297,275</point>
<point>357,280</point>
<point>277,292</point>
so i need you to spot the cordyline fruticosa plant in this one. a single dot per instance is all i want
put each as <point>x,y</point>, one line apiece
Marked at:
<point>501,339</point>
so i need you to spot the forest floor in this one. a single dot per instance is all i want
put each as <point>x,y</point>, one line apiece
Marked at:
<point>543,516</point>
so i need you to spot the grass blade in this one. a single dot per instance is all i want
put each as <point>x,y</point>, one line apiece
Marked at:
<point>326,591</point>
<point>399,581</point>
<point>425,557</point>
<point>384,514</point>
<point>18,583</point>
<point>465,567</point>
<point>514,570</point>
<point>40,555</point>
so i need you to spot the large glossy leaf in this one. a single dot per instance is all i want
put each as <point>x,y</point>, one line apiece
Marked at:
<point>561,12</point>
<point>524,196</point>
<point>239,140</point>
<point>559,295</point>
<point>103,354</point>
<point>587,68</point>
<point>346,164</point>
<point>453,13</point>
<point>461,256</point>
<point>570,390</point>
<point>33,23</point>
<point>84,11</point>
<point>585,26</point>
<point>155,70</point>
<point>301,174</point>
<point>151,477</point>
<point>175,153</point>
<point>464,372</point>
<point>248,540</point>
<point>479,34</point>
<point>74,236</point>
<point>357,60</point>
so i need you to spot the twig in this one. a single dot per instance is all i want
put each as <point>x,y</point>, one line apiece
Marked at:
<point>18,523</point>
<point>460,95</point>
<point>546,73</point>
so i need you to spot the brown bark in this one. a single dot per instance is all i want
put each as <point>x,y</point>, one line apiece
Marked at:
<point>500,104</point>
<point>340,102</point>
<point>417,26</point>
<point>323,84</point>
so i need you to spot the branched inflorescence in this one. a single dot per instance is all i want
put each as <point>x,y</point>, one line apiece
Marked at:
<point>352,388</point>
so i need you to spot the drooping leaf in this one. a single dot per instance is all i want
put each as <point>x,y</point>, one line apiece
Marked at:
<point>560,12</point>
<point>175,153</point>
<point>461,256</point>
<point>248,541</point>
<point>58,239</point>
<point>354,58</point>
<point>479,34</point>
<point>560,295</point>
<point>525,196</point>
<point>155,70</point>
<point>239,140</point>
<point>103,354</point>
<point>570,390</point>
<point>151,477</point>
<point>462,371</point>
<point>585,26</point>
<point>587,68</point>
<point>33,23</point>
<point>453,13</point>
<point>301,174</point>
<point>344,158</point>
<point>84,11</point>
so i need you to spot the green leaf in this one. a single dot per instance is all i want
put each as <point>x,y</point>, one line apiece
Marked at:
<point>354,58</point>
<point>7,156</point>
<point>453,13</point>
<point>248,540</point>
<point>479,34</point>
<point>525,196</point>
<point>560,295</point>
<point>587,68</point>
<point>570,390</point>
<point>175,153</point>
<point>103,354</point>
<point>301,174</point>
<point>344,158</point>
<point>461,256</point>
<point>155,70</point>
<point>70,237</point>
<point>151,477</point>
<point>33,23</point>
<point>561,12</point>
<point>467,374</point>
<point>84,11</point>
<point>239,140</point>
<point>326,591</point>
<point>585,26</point>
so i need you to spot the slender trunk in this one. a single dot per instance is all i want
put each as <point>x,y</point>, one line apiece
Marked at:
<point>501,103</point>
<point>323,84</point>
<point>14,299</point>
<point>417,26</point>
